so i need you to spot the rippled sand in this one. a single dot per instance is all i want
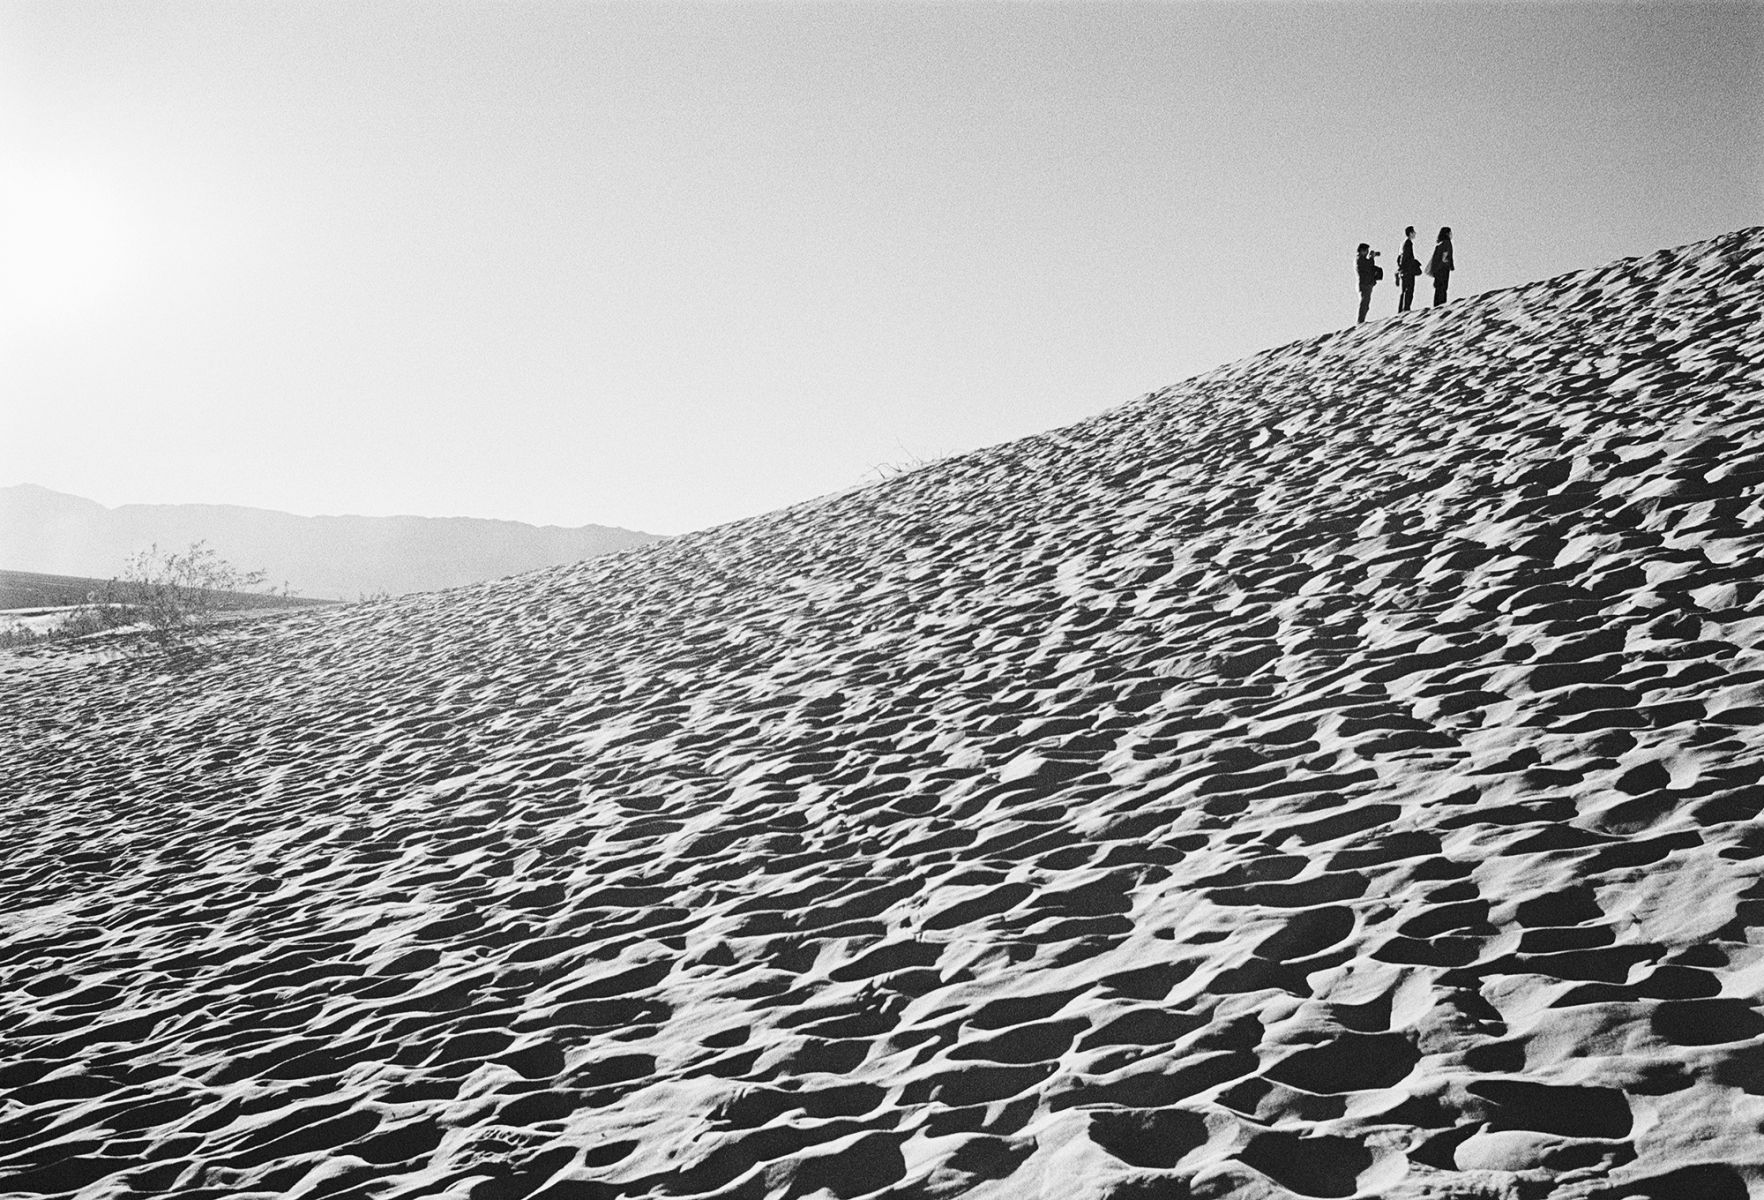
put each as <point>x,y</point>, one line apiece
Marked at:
<point>1337,775</point>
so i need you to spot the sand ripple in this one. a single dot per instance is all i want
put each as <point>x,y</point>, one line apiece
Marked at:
<point>1337,775</point>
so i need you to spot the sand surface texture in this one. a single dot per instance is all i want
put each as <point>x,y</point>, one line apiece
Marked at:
<point>1337,775</point>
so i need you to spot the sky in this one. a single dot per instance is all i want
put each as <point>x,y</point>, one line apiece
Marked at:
<point>665,265</point>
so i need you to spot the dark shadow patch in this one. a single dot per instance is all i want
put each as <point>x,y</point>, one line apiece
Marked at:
<point>1353,1062</point>
<point>1308,933</point>
<point>1143,1027</point>
<point>868,1164</point>
<point>1311,893</point>
<point>1706,1022</point>
<point>1020,1010</point>
<point>1310,1166</point>
<point>1040,1042</point>
<point>1577,1112</point>
<point>1702,1181</point>
<point>1158,1089</point>
<point>985,1156</point>
<point>1149,983</point>
<point>1147,1138</point>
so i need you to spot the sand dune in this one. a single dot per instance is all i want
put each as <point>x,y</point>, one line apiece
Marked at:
<point>1336,775</point>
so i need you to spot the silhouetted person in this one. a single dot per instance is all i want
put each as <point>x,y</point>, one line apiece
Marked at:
<point>1370,274</point>
<point>1408,266</point>
<point>1440,265</point>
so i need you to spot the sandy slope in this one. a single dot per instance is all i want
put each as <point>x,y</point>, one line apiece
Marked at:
<point>1336,775</point>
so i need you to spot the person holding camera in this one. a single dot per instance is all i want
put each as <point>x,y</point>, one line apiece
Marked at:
<point>1370,274</point>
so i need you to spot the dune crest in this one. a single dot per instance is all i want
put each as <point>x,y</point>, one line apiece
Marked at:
<point>1336,775</point>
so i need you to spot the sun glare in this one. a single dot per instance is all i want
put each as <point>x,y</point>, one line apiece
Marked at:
<point>61,246</point>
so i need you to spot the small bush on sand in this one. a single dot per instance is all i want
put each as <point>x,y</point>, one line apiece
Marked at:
<point>175,595</point>
<point>908,462</point>
<point>93,616</point>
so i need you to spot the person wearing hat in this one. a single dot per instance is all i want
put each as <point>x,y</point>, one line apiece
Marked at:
<point>1370,274</point>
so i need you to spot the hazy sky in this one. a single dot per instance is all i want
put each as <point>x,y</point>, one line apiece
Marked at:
<point>664,265</point>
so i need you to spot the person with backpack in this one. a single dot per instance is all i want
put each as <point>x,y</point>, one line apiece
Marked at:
<point>1439,267</point>
<point>1408,266</point>
<point>1370,274</point>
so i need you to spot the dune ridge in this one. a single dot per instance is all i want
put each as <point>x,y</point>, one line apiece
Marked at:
<point>1335,775</point>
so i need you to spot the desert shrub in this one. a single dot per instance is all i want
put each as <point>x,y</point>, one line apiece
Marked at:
<point>97,614</point>
<point>160,602</point>
<point>908,461</point>
<point>18,635</point>
<point>91,617</point>
<point>175,595</point>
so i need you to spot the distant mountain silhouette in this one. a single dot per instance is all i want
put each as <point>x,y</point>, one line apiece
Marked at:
<point>338,558</point>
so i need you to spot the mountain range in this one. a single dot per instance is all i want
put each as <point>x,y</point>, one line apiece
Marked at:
<point>323,557</point>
